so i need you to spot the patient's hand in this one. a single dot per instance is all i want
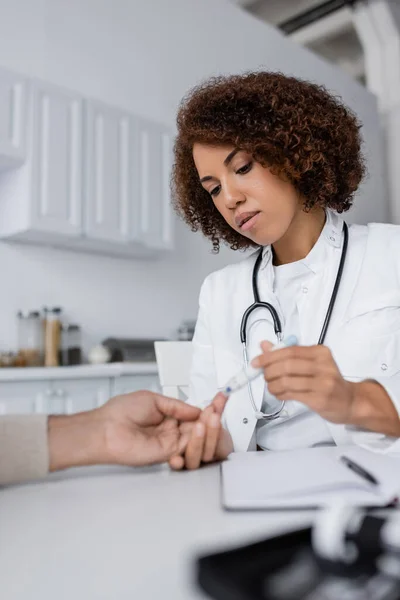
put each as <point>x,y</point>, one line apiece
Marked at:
<point>207,440</point>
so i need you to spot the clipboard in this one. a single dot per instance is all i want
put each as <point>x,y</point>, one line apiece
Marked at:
<point>307,478</point>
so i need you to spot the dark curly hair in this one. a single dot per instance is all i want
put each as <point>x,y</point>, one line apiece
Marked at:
<point>295,127</point>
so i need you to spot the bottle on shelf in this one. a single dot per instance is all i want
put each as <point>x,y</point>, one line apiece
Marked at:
<point>52,343</point>
<point>30,339</point>
<point>70,351</point>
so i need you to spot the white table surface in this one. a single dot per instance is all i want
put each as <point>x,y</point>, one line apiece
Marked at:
<point>116,533</point>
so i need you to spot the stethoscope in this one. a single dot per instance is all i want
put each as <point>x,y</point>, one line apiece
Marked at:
<point>277,322</point>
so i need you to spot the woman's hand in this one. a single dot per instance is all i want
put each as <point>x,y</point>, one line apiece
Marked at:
<point>310,375</point>
<point>206,439</point>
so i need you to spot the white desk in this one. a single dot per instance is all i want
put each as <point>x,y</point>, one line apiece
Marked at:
<point>119,534</point>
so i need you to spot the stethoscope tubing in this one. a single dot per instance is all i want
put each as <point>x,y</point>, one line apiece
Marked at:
<point>277,322</point>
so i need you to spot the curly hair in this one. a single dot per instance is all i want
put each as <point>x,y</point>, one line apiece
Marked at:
<point>296,128</point>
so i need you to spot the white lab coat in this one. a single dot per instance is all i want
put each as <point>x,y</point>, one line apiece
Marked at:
<point>363,335</point>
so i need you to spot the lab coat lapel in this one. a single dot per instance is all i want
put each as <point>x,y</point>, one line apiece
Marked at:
<point>313,305</point>
<point>314,308</point>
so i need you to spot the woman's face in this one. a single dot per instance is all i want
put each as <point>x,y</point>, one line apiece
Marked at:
<point>254,202</point>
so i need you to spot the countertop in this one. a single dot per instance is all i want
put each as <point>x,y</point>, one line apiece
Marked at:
<point>77,372</point>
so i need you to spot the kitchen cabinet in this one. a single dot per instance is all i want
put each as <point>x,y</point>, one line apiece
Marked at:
<point>22,397</point>
<point>95,178</point>
<point>54,394</point>
<point>111,202</point>
<point>134,383</point>
<point>13,113</point>
<point>42,200</point>
<point>155,160</point>
<point>127,169</point>
<point>73,395</point>
<point>56,184</point>
<point>53,397</point>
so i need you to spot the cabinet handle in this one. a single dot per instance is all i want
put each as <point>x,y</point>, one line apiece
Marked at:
<point>49,392</point>
<point>60,393</point>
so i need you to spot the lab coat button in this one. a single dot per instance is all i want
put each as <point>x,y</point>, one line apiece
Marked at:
<point>245,421</point>
<point>332,238</point>
<point>305,290</point>
<point>384,367</point>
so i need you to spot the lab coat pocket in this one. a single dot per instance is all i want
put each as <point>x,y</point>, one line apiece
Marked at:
<point>373,317</point>
<point>368,358</point>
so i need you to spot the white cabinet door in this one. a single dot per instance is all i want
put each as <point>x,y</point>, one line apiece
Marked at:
<point>154,154</point>
<point>23,397</point>
<point>96,178</point>
<point>133,383</point>
<point>56,161</point>
<point>77,395</point>
<point>13,112</point>
<point>110,174</point>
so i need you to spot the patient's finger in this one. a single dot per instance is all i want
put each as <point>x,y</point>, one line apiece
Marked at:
<point>211,439</point>
<point>204,416</point>
<point>176,462</point>
<point>194,449</point>
<point>186,427</point>
<point>183,441</point>
<point>219,402</point>
<point>205,413</point>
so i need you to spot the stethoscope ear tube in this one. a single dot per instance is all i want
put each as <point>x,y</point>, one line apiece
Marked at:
<point>253,307</point>
<point>336,286</point>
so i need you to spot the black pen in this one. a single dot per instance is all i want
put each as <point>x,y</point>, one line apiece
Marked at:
<point>359,470</point>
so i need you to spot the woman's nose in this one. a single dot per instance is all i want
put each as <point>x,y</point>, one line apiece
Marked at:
<point>232,196</point>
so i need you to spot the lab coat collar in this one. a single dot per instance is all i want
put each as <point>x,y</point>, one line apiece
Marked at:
<point>331,233</point>
<point>333,228</point>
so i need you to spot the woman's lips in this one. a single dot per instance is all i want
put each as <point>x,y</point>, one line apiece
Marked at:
<point>250,222</point>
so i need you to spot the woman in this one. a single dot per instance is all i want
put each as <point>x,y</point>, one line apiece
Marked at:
<point>270,162</point>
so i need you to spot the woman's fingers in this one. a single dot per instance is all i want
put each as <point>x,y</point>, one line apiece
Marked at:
<point>212,436</point>
<point>288,387</point>
<point>291,368</point>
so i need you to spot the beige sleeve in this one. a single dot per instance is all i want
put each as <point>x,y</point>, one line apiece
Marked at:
<point>24,453</point>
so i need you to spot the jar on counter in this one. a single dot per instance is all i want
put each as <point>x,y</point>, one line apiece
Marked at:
<point>10,359</point>
<point>52,337</point>
<point>71,352</point>
<point>30,338</point>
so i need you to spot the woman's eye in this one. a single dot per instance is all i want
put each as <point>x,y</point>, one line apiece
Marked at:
<point>215,191</point>
<point>244,169</point>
